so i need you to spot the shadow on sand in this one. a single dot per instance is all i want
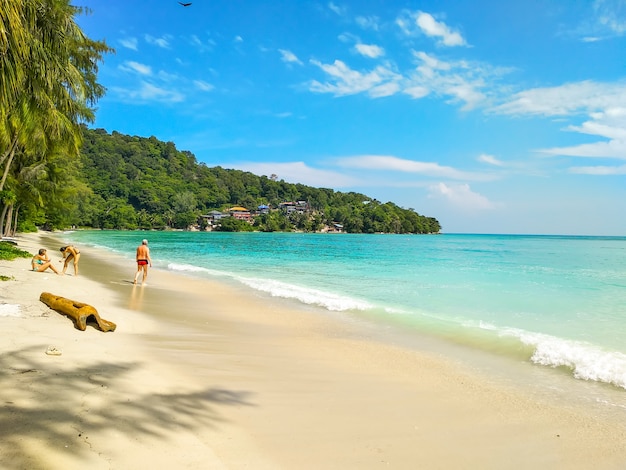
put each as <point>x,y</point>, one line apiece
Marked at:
<point>60,408</point>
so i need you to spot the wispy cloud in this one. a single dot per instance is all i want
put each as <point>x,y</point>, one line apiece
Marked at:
<point>413,23</point>
<point>129,43</point>
<point>369,50</point>
<point>489,159</point>
<point>289,57</point>
<point>570,98</point>
<point>610,149</point>
<point>336,9</point>
<point>147,92</point>
<point>458,82</point>
<point>599,170</point>
<point>392,163</point>
<point>136,67</point>
<point>610,16</point>
<point>346,81</point>
<point>163,42</point>
<point>368,22</point>
<point>201,45</point>
<point>298,172</point>
<point>203,86</point>
<point>603,103</point>
<point>461,196</point>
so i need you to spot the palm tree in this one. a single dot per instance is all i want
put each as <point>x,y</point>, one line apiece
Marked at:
<point>48,84</point>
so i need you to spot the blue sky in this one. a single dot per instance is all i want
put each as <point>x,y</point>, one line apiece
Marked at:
<point>492,116</point>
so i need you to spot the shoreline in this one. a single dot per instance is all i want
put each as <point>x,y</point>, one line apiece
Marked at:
<point>200,374</point>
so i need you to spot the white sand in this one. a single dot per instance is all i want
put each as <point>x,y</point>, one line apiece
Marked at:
<point>199,375</point>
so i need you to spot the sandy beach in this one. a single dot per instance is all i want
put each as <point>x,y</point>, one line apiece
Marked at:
<point>202,375</point>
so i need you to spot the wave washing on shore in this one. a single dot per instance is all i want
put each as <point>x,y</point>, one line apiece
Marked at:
<point>562,298</point>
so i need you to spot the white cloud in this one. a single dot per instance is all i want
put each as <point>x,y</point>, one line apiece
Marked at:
<point>202,46</point>
<point>391,163</point>
<point>167,77</point>
<point>599,170</point>
<point>611,16</point>
<point>432,28</point>
<point>149,92</point>
<point>336,9</point>
<point>457,81</point>
<point>202,85</point>
<point>571,98</point>
<point>610,124</point>
<point>346,81</point>
<point>297,172</point>
<point>386,89</point>
<point>289,57</point>
<point>610,149</point>
<point>238,39</point>
<point>460,81</point>
<point>490,159</point>
<point>132,66</point>
<point>129,43</point>
<point>413,23</point>
<point>369,50</point>
<point>369,22</point>
<point>417,91</point>
<point>603,103</point>
<point>461,196</point>
<point>161,42</point>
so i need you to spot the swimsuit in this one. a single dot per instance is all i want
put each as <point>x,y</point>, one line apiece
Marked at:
<point>142,262</point>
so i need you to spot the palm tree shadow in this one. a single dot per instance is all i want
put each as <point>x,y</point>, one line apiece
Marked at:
<point>59,406</point>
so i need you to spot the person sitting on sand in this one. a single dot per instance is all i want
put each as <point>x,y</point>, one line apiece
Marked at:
<point>143,259</point>
<point>70,253</point>
<point>41,262</point>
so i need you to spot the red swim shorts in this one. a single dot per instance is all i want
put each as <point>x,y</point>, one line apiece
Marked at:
<point>142,262</point>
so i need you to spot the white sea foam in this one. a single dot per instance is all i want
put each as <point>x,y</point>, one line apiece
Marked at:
<point>586,361</point>
<point>306,295</point>
<point>9,310</point>
<point>285,290</point>
<point>190,268</point>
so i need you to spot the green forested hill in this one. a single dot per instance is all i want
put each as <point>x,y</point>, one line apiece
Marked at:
<point>139,182</point>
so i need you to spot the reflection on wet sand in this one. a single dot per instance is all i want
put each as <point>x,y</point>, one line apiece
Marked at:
<point>136,297</point>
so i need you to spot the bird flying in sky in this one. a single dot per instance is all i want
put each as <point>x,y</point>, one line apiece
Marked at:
<point>185,4</point>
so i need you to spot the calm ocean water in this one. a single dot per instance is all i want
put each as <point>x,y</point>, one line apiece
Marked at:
<point>560,300</point>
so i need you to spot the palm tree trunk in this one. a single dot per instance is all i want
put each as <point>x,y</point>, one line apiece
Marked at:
<point>16,211</point>
<point>7,228</point>
<point>4,213</point>
<point>7,166</point>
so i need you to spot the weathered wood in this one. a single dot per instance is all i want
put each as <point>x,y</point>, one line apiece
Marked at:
<point>79,312</point>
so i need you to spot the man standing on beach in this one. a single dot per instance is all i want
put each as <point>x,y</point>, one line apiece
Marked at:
<point>143,260</point>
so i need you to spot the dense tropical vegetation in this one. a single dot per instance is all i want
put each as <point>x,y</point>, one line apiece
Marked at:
<point>145,183</point>
<point>48,87</point>
<point>57,173</point>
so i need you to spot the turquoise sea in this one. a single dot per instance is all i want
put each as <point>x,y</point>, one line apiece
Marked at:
<point>555,301</point>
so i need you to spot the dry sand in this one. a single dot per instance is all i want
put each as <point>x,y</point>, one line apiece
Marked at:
<point>200,375</point>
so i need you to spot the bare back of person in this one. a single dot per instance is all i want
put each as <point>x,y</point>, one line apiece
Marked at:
<point>143,261</point>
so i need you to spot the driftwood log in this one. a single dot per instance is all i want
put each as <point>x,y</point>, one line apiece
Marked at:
<point>79,312</point>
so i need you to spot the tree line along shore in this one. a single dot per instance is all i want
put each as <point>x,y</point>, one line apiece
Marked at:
<point>128,182</point>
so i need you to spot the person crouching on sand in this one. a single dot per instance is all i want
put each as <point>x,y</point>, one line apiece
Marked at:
<point>143,260</point>
<point>70,253</point>
<point>41,262</point>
